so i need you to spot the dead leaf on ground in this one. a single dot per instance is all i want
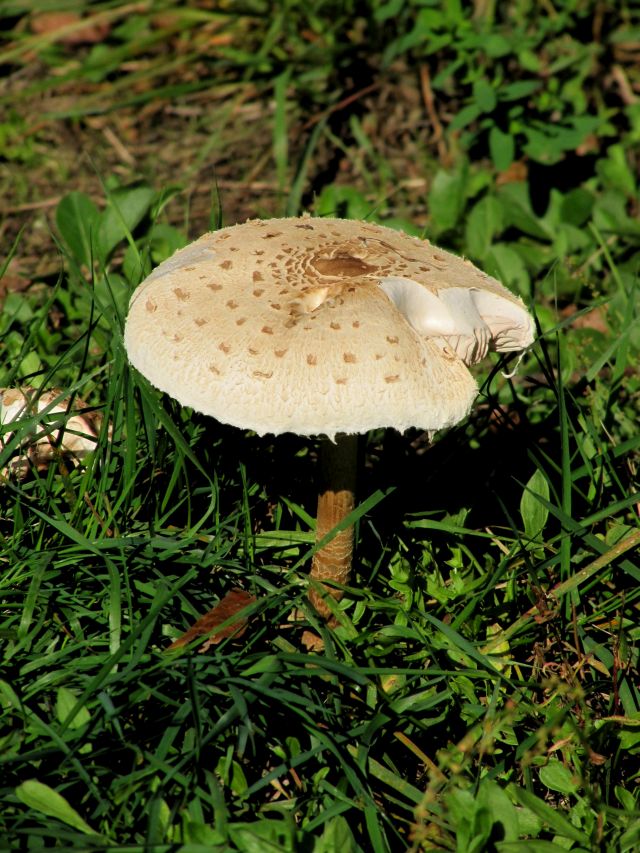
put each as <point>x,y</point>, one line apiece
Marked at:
<point>595,319</point>
<point>47,23</point>
<point>224,611</point>
<point>516,173</point>
<point>312,642</point>
<point>13,280</point>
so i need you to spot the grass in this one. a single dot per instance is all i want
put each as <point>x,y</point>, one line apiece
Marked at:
<point>481,692</point>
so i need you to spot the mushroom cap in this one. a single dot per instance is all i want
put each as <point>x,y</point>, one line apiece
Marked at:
<point>320,326</point>
<point>74,434</point>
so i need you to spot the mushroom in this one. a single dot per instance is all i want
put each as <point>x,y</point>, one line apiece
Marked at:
<point>61,427</point>
<point>321,327</point>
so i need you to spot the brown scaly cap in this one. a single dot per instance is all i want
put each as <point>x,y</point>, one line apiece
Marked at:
<point>319,326</point>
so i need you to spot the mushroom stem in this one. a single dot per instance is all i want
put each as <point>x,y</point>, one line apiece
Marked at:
<point>336,499</point>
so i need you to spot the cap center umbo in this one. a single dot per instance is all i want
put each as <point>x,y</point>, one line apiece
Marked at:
<point>341,265</point>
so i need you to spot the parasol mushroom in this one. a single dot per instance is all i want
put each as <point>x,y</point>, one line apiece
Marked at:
<point>321,327</point>
<point>60,427</point>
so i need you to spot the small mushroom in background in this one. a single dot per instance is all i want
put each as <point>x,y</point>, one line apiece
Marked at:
<point>321,327</point>
<point>61,428</point>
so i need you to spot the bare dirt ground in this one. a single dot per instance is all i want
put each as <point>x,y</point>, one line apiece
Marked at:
<point>216,145</point>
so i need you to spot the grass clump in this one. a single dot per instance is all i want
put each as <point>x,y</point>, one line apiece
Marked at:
<point>481,692</point>
<point>480,689</point>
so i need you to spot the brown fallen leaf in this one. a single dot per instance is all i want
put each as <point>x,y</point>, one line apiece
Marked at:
<point>513,174</point>
<point>71,27</point>
<point>312,642</point>
<point>13,280</point>
<point>594,319</point>
<point>224,611</point>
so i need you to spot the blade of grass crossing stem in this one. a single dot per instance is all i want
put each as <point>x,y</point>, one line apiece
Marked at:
<point>354,516</point>
<point>30,423</point>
